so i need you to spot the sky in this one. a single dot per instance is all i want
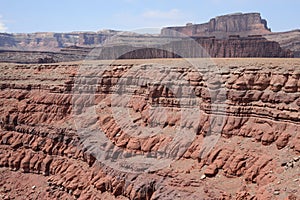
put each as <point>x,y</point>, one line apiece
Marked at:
<point>129,15</point>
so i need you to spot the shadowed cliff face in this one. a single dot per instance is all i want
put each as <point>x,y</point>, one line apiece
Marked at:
<point>287,40</point>
<point>254,46</point>
<point>256,156</point>
<point>238,25</point>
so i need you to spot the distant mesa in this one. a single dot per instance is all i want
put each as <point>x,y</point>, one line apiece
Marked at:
<point>223,26</point>
<point>232,35</point>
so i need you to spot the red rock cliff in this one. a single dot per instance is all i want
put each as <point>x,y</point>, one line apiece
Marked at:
<point>257,155</point>
<point>223,26</point>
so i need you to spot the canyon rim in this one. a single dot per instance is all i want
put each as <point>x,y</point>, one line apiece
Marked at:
<point>202,111</point>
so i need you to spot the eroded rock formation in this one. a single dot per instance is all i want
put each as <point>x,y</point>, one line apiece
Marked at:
<point>197,47</point>
<point>223,36</point>
<point>238,24</point>
<point>287,40</point>
<point>48,41</point>
<point>256,156</point>
<point>223,26</point>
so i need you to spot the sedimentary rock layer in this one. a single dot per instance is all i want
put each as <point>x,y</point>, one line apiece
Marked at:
<point>49,41</point>
<point>134,49</point>
<point>287,40</point>
<point>250,108</point>
<point>223,36</point>
<point>223,26</point>
<point>40,56</point>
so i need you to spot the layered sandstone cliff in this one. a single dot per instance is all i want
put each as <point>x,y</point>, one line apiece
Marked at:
<point>49,41</point>
<point>223,26</point>
<point>135,49</point>
<point>223,36</point>
<point>287,40</point>
<point>237,24</point>
<point>255,157</point>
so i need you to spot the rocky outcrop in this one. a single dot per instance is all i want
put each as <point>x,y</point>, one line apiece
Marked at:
<point>234,25</point>
<point>256,156</point>
<point>47,41</point>
<point>287,40</point>
<point>202,47</point>
<point>223,26</point>
<point>234,35</point>
<point>243,47</point>
<point>189,48</point>
<point>40,56</point>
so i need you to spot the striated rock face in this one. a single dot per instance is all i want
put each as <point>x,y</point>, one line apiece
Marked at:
<point>40,56</point>
<point>48,41</point>
<point>223,36</point>
<point>237,24</point>
<point>212,47</point>
<point>287,40</point>
<point>223,26</point>
<point>243,47</point>
<point>256,156</point>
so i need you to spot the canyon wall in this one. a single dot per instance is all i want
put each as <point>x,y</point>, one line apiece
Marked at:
<point>49,41</point>
<point>205,47</point>
<point>133,49</point>
<point>237,24</point>
<point>223,26</point>
<point>257,154</point>
<point>10,56</point>
<point>219,36</point>
<point>287,40</point>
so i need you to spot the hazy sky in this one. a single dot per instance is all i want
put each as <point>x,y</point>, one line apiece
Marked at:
<point>93,15</point>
